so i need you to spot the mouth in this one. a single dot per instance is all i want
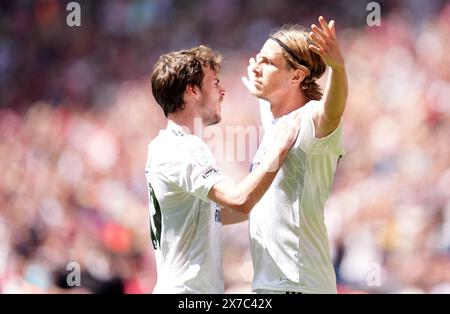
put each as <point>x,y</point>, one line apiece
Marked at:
<point>256,82</point>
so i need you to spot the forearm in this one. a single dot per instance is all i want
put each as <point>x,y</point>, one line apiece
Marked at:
<point>253,187</point>
<point>245,194</point>
<point>325,44</point>
<point>335,94</point>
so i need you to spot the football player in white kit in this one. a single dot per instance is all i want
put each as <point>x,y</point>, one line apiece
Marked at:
<point>289,241</point>
<point>186,188</point>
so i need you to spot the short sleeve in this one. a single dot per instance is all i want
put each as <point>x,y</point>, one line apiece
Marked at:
<point>307,141</point>
<point>306,131</point>
<point>332,143</point>
<point>201,172</point>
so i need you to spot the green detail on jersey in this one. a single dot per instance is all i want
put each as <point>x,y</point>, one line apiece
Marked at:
<point>155,232</point>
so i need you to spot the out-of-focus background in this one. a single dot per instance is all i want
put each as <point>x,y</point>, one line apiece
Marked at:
<point>76,115</point>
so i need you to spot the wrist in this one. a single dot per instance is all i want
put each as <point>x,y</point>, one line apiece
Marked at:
<point>338,67</point>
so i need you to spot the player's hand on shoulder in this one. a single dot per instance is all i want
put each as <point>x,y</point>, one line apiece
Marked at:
<point>286,131</point>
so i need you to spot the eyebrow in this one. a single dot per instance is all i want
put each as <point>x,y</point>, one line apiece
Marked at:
<point>272,56</point>
<point>266,57</point>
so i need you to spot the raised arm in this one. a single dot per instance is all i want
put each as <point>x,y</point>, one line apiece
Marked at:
<point>328,115</point>
<point>245,194</point>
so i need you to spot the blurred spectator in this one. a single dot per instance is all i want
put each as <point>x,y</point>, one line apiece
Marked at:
<point>74,128</point>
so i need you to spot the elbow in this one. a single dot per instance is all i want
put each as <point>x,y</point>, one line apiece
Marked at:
<point>242,204</point>
<point>245,208</point>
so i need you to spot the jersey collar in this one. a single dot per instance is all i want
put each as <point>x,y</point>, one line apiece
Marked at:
<point>175,129</point>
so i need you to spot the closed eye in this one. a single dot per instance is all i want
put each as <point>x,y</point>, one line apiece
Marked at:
<point>264,60</point>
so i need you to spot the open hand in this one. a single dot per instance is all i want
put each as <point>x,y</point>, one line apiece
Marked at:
<point>248,81</point>
<point>325,43</point>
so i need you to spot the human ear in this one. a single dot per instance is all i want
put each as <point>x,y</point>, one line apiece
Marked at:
<point>298,77</point>
<point>191,89</point>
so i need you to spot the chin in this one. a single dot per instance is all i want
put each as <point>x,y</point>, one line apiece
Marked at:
<point>259,94</point>
<point>215,120</point>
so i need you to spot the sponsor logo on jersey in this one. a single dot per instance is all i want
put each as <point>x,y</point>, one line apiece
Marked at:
<point>209,172</point>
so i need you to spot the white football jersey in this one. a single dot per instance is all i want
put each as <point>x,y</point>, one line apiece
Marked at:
<point>265,113</point>
<point>289,240</point>
<point>186,228</point>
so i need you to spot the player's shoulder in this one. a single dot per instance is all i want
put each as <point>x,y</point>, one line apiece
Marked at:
<point>198,152</point>
<point>177,146</point>
<point>194,143</point>
<point>306,109</point>
<point>311,107</point>
<point>168,138</point>
<point>313,103</point>
<point>160,142</point>
<point>163,147</point>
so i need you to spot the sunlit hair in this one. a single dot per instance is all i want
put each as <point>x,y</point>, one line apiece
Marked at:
<point>296,38</point>
<point>174,71</point>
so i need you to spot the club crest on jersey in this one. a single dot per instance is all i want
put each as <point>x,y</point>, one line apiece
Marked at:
<point>202,157</point>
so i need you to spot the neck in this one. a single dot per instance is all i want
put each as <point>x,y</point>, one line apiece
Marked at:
<point>190,123</point>
<point>281,106</point>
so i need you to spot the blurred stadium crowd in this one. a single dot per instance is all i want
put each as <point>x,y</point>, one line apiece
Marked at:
<point>76,115</point>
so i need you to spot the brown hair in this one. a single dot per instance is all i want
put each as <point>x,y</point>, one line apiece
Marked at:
<point>295,37</point>
<point>174,71</point>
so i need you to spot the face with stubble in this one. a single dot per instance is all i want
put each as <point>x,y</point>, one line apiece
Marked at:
<point>211,99</point>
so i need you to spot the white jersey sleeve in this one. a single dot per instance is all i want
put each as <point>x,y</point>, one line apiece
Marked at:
<point>202,172</point>
<point>307,141</point>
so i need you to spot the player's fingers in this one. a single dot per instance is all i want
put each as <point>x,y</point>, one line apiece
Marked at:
<point>251,65</point>
<point>315,49</point>
<point>316,30</point>
<point>324,25</point>
<point>316,39</point>
<point>332,26</point>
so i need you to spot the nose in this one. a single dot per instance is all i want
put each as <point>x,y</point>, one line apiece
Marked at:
<point>255,68</point>
<point>222,91</point>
